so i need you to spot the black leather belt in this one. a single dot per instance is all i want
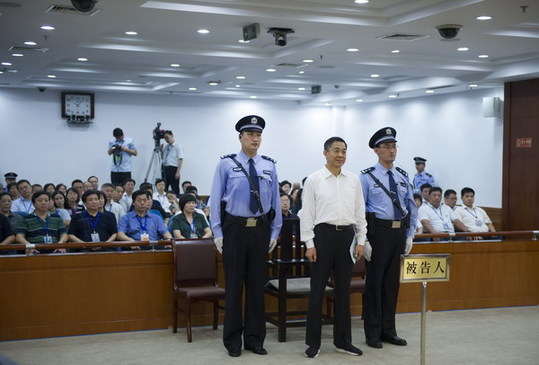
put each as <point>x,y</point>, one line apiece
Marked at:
<point>245,221</point>
<point>389,223</point>
<point>337,228</point>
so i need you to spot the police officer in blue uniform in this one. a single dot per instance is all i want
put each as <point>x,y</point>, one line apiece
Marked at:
<point>391,220</point>
<point>422,177</point>
<point>246,220</point>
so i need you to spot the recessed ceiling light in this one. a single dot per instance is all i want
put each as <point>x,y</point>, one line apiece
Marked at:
<point>192,89</point>
<point>47,27</point>
<point>1,72</point>
<point>395,51</point>
<point>352,50</point>
<point>429,91</point>
<point>131,32</point>
<point>213,83</point>
<point>240,77</point>
<point>271,70</point>
<point>82,59</point>
<point>238,85</point>
<point>361,1</point>
<point>6,63</point>
<point>203,31</point>
<point>252,97</point>
<point>12,70</point>
<point>359,100</point>
<point>483,56</point>
<point>308,60</point>
<point>17,54</point>
<point>473,85</point>
<point>301,88</point>
<point>51,76</point>
<point>375,75</point>
<point>463,49</point>
<point>30,43</point>
<point>242,41</point>
<point>174,65</point>
<point>484,17</point>
<point>392,96</point>
<point>301,72</point>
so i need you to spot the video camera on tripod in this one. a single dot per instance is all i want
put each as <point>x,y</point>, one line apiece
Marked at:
<point>158,134</point>
<point>156,160</point>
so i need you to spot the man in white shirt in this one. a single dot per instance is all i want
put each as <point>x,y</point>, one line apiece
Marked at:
<point>127,200</point>
<point>172,163</point>
<point>23,204</point>
<point>450,198</point>
<point>332,219</point>
<point>474,218</point>
<point>438,218</point>
<point>111,206</point>
<point>161,195</point>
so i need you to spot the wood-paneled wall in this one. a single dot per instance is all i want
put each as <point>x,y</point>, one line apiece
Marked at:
<point>73,294</point>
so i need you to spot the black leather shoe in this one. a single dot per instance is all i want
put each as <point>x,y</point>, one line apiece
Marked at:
<point>395,340</point>
<point>350,350</point>
<point>259,350</point>
<point>234,352</point>
<point>312,352</point>
<point>375,344</point>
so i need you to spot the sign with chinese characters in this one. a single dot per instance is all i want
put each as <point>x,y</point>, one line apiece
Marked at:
<point>419,268</point>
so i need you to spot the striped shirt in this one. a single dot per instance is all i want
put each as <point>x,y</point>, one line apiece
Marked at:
<point>35,229</point>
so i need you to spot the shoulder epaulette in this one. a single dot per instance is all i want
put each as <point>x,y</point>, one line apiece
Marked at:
<point>232,155</point>
<point>268,158</point>
<point>402,171</point>
<point>429,175</point>
<point>366,171</point>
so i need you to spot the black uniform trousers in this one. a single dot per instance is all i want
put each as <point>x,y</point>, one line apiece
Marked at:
<point>169,175</point>
<point>244,256</point>
<point>118,178</point>
<point>333,255</point>
<point>382,281</point>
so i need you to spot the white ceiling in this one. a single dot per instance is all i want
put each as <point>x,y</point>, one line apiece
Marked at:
<point>324,29</point>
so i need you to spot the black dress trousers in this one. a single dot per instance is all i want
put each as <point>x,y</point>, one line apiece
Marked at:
<point>244,256</point>
<point>382,281</point>
<point>169,175</point>
<point>333,255</point>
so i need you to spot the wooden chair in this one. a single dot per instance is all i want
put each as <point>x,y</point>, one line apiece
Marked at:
<point>195,278</point>
<point>289,279</point>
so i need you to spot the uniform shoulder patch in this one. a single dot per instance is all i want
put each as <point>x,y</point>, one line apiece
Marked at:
<point>402,171</point>
<point>366,171</point>
<point>232,155</point>
<point>429,175</point>
<point>268,158</point>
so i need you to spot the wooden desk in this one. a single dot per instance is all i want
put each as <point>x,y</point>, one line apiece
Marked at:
<point>73,294</point>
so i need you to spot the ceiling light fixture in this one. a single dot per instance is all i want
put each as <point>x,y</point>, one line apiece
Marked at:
<point>237,85</point>
<point>131,32</point>
<point>375,75</point>
<point>395,51</point>
<point>301,88</point>
<point>252,97</point>
<point>271,70</point>
<point>483,56</point>
<point>484,17</point>
<point>213,83</point>
<point>359,100</point>
<point>308,60</point>
<point>6,63</point>
<point>392,96</point>
<point>361,1</point>
<point>327,104</point>
<point>30,43</point>
<point>352,50</point>
<point>192,89</point>
<point>82,59</point>
<point>473,85</point>
<point>429,91</point>
<point>463,49</point>
<point>47,27</point>
<point>301,72</point>
<point>51,76</point>
<point>240,77</point>
<point>17,54</point>
<point>203,31</point>
<point>174,65</point>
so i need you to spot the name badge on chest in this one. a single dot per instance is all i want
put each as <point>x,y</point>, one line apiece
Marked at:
<point>144,236</point>
<point>47,239</point>
<point>95,237</point>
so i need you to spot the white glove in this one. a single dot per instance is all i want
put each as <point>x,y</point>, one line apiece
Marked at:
<point>219,244</point>
<point>409,246</point>
<point>272,245</point>
<point>367,252</point>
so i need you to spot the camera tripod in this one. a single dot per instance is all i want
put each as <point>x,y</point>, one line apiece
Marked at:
<point>155,163</point>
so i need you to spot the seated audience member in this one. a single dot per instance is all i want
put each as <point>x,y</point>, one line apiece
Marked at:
<point>436,217</point>
<point>7,236</point>
<point>78,185</point>
<point>117,193</point>
<point>49,188</point>
<point>36,188</point>
<point>286,203</point>
<point>86,186</point>
<point>93,225</point>
<point>189,224</point>
<point>474,218</point>
<point>5,210</point>
<point>200,204</point>
<point>127,199</point>
<point>61,188</point>
<point>418,202</point>
<point>72,201</point>
<point>13,191</point>
<point>161,195</point>
<point>138,224</point>
<point>41,226</point>
<point>450,198</point>
<point>285,186</point>
<point>425,191</point>
<point>94,181</point>
<point>297,203</point>
<point>185,184</point>
<point>174,206</point>
<point>155,206</point>
<point>58,203</point>
<point>110,205</point>
<point>24,203</point>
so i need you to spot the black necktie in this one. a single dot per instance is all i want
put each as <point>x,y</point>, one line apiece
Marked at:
<point>253,205</point>
<point>394,192</point>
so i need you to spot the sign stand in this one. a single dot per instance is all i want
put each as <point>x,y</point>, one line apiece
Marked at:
<point>423,320</point>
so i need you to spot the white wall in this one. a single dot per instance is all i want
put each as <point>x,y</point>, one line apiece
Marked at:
<point>462,147</point>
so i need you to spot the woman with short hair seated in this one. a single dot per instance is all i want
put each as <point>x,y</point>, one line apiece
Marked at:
<point>57,206</point>
<point>189,223</point>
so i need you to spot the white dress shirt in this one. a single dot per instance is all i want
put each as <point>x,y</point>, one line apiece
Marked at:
<point>441,218</point>
<point>163,200</point>
<point>116,209</point>
<point>475,218</point>
<point>331,199</point>
<point>126,202</point>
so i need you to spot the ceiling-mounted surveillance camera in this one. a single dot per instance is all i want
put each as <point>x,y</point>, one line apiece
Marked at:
<point>84,6</point>
<point>448,31</point>
<point>280,35</point>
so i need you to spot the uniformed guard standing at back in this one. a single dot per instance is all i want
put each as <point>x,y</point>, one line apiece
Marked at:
<point>391,219</point>
<point>246,220</point>
<point>422,177</point>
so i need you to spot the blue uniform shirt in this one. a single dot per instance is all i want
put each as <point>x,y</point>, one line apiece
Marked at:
<point>377,201</point>
<point>232,186</point>
<point>133,226</point>
<point>126,164</point>
<point>422,178</point>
